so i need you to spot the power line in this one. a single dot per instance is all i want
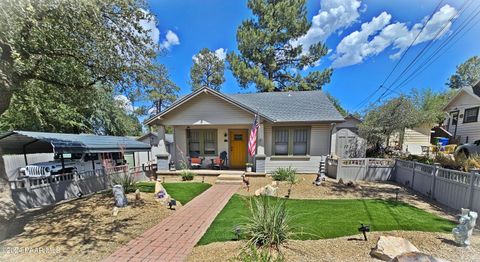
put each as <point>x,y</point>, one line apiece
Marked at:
<point>436,54</point>
<point>425,48</point>
<point>401,58</point>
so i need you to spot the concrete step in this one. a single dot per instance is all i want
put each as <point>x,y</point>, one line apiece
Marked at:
<point>229,177</point>
<point>228,182</point>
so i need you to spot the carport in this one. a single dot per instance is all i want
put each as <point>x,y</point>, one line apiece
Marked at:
<point>27,142</point>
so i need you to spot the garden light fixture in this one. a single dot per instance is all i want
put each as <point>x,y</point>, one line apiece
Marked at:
<point>172,203</point>
<point>364,229</point>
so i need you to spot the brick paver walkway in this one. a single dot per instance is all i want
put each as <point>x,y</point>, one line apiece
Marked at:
<point>174,237</point>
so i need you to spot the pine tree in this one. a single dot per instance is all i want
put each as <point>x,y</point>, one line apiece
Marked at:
<point>207,70</point>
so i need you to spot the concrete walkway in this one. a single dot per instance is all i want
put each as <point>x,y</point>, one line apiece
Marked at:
<point>174,237</point>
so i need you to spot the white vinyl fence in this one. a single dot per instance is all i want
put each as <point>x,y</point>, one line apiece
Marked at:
<point>451,188</point>
<point>369,169</point>
<point>38,192</point>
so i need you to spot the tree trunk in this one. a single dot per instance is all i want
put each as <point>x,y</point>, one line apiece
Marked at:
<point>7,206</point>
<point>5,98</point>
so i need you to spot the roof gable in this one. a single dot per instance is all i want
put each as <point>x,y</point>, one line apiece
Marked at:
<point>473,92</point>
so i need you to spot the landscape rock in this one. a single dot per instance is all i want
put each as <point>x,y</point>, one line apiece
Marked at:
<point>340,181</point>
<point>267,190</point>
<point>389,247</point>
<point>417,257</point>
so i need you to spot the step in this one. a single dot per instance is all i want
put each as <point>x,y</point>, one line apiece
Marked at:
<point>228,182</point>
<point>229,177</point>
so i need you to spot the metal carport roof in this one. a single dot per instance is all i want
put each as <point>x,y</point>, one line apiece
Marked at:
<point>26,142</point>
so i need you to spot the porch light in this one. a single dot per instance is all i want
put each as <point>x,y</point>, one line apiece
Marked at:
<point>172,203</point>
<point>364,229</point>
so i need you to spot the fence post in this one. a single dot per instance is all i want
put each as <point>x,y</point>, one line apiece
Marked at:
<point>413,173</point>
<point>366,168</point>
<point>435,174</point>
<point>473,177</point>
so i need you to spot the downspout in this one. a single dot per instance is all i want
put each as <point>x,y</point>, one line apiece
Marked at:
<point>332,126</point>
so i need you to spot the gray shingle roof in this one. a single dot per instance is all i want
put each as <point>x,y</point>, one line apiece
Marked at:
<point>291,106</point>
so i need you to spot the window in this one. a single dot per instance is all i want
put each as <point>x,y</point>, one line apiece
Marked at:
<point>202,142</point>
<point>471,115</point>
<point>291,141</point>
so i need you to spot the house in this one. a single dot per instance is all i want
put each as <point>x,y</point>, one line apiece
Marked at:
<point>295,129</point>
<point>462,121</point>
<point>346,142</point>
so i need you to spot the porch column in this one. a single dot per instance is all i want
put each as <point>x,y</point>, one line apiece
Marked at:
<point>260,156</point>
<point>162,156</point>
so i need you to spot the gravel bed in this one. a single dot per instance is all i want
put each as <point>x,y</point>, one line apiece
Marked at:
<point>81,230</point>
<point>351,248</point>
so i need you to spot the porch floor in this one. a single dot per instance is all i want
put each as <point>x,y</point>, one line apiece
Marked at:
<point>210,172</point>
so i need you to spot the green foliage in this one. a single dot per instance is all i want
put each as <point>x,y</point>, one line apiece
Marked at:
<point>429,105</point>
<point>187,175</point>
<point>383,120</point>
<point>126,179</point>
<point>320,219</point>
<point>41,107</point>
<point>336,103</point>
<point>253,254</point>
<point>270,57</point>
<point>74,45</point>
<point>184,192</point>
<point>160,89</point>
<point>467,74</point>
<point>207,70</point>
<point>283,173</point>
<point>268,223</point>
<point>147,187</point>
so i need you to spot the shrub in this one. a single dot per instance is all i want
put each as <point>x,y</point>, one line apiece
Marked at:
<point>187,175</point>
<point>126,179</point>
<point>268,225</point>
<point>282,173</point>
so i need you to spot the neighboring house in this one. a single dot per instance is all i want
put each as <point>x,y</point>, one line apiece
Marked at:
<point>295,129</point>
<point>412,140</point>
<point>463,109</point>
<point>151,138</point>
<point>346,142</point>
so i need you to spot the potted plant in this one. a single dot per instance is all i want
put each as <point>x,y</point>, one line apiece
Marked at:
<point>249,167</point>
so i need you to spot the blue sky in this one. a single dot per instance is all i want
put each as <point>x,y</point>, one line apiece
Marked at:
<point>365,37</point>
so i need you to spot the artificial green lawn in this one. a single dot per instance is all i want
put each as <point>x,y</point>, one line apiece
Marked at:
<point>317,219</point>
<point>181,191</point>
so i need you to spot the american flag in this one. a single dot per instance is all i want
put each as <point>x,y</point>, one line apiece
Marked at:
<point>252,141</point>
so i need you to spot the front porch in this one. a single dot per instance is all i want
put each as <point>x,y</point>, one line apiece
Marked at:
<point>209,172</point>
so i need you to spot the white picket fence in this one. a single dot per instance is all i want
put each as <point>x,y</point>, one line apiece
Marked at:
<point>451,188</point>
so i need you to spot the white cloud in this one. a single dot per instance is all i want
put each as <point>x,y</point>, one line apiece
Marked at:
<point>124,102</point>
<point>377,35</point>
<point>151,27</point>
<point>220,53</point>
<point>171,39</point>
<point>332,16</point>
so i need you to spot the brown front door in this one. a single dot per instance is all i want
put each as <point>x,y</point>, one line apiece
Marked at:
<point>238,148</point>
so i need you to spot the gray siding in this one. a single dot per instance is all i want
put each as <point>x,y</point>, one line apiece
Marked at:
<point>207,109</point>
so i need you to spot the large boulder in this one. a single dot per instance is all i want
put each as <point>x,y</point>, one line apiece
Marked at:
<point>389,247</point>
<point>267,190</point>
<point>417,257</point>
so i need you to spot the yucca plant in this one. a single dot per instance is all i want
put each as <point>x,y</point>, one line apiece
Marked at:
<point>187,175</point>
<point>268,224</point>
<point>292,179</point>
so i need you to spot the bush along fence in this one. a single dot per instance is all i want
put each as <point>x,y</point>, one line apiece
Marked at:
<point>451,188</point>
<point>44,191</point>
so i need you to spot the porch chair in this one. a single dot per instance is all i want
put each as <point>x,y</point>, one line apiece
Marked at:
<point>195,161</point>
<point>219,163</point>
